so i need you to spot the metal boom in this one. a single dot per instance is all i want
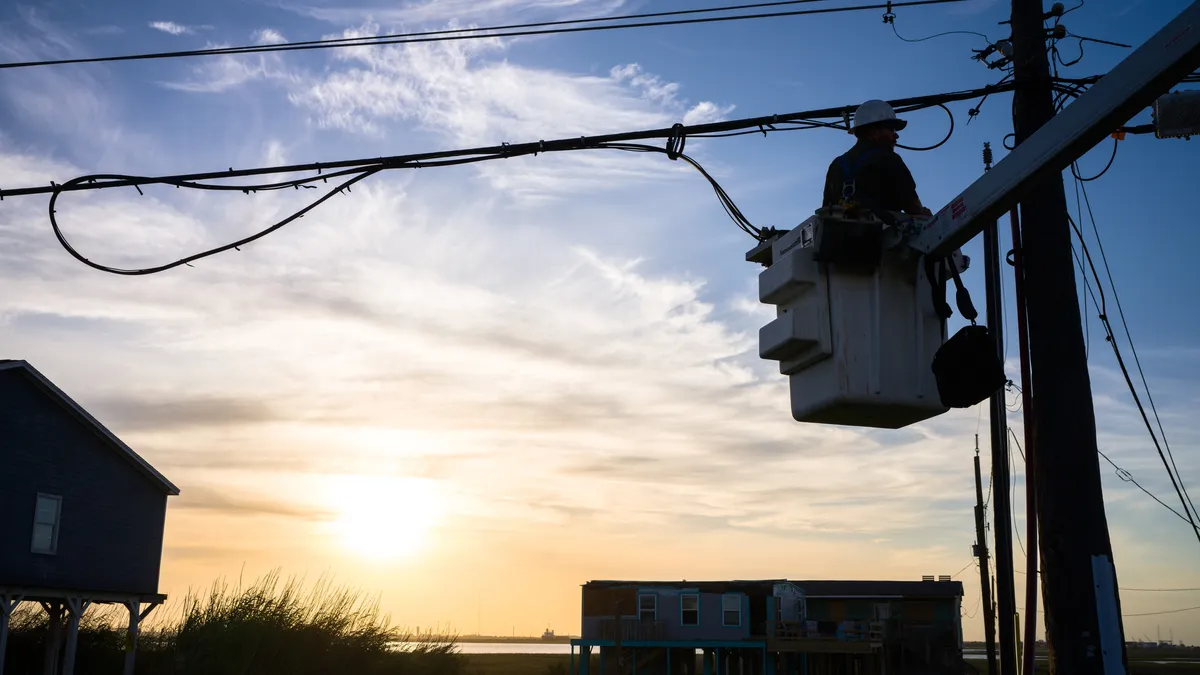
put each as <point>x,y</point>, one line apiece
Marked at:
<point>1147,73</point>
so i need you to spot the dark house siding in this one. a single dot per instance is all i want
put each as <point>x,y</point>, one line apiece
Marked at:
<point>711,625</point>
<point>112,514</point>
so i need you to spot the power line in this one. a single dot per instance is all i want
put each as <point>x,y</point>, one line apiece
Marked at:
<point>1169,611</point>
<point>1133,349</point>
<point>1121,473</point>
<point>964,569</point>
<point>356,170</point>
<point>763,124</point>
<point>937,35</point>
<point>475,34</point>
<point>1111,339</point>
<point>1128,478</point>
<point>1142,590</point>
<point>1013,487</point>
<point>1087,324</point>
<point>975,609</point>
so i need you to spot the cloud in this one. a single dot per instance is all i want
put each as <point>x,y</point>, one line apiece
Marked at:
<point>268,36</point>
<point>466,94</point>
<point>232,503</point>
<point>594,373</point>
<point>69,104</point>
<point>706,112</point>
<point>425,12</point>
<point>136,413</point>
<point>175,28</point>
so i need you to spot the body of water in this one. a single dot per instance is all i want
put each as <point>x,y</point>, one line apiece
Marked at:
<point>513,648</point>
<point>561,648</point>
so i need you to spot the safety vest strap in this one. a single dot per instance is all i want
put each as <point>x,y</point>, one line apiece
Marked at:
<point>850,171</point>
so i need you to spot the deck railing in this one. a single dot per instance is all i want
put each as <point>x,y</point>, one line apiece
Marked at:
<point>630,629</point>
<point>849,631</point>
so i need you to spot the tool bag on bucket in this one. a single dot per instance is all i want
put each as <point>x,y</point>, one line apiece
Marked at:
<point>967,367</point>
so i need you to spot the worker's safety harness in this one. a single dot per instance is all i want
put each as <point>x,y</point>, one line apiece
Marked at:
<point>850,186</point>
<point>967,367</point>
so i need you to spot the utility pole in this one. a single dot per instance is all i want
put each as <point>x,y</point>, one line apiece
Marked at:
<point>985,577</point>
<point>1006,592</point>
<point>1083,618</point>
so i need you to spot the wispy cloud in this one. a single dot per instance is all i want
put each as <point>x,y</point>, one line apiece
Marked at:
<point>71,104</point>
<point>466,94</point>
<point>174,28</point>
<point>477,12</point>
<point>268,36</point>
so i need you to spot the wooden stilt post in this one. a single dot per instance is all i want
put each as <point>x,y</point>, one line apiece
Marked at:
<point>53,637</point>
<point>136,615</point>
<point>76,607</point>
<point>7,604</point>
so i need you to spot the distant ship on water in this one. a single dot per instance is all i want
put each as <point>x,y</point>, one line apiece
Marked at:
<point>548,635</point>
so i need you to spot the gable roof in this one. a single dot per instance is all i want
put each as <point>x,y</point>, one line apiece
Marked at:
<point>812,589</point>
<point>110,439</point>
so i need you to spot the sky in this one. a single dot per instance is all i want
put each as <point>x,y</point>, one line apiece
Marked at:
<point>469,390</point>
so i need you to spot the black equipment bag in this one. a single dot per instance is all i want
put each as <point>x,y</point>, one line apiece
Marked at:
<point>967,368</point>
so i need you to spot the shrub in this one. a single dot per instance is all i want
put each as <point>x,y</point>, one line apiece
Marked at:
<point>268,628</point>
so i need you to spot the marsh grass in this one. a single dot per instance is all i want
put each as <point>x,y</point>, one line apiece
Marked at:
<point>270,627</point>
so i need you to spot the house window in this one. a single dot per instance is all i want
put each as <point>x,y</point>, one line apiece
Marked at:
<point>689,610</point>
<point>647,607</point>
<point>45,524</point>
<point>731,610</point>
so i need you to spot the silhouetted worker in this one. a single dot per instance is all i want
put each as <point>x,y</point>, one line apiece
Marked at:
<point>871,173</point>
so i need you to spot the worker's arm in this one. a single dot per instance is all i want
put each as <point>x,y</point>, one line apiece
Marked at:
<point>832,193</point>
<point>907,187</point>
<point>917,208</point>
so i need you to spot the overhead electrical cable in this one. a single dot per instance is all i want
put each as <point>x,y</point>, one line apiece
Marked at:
<point>1111,339</point>
<point>1133,349</point>
<point>965,568</point>
<point>1128,478</point>
<point>353,171</point>
<point>938,35</point>
<point>1169,611</point>
<point>464,34</point>
<point>761,124</point>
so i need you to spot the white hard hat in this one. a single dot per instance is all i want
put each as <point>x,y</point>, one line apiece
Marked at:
<point>874,111</point>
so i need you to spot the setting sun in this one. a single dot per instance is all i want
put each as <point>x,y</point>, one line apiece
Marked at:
<point>384,517</point>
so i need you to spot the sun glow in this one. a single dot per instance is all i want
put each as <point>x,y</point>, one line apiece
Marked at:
<point>385,517</point>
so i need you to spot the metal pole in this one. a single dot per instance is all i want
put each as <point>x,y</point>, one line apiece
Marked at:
<point>1006,596</point>
<point>1083,613</point>
<point>985,573</point>
<point>1031,559</point>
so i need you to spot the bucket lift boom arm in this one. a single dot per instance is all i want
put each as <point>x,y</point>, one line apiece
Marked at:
<point>1150,71</point>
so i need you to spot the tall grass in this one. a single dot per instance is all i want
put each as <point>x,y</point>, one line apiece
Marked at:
<point>268,628</point>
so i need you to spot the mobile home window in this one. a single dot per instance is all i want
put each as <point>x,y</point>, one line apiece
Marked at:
<point>690,610</point>
<point>45,524</point>
<point>647,607</point>
<point>731,610</point>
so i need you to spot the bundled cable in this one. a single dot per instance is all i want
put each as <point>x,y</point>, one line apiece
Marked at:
<point>353,171</point>
<point>352,176</point>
